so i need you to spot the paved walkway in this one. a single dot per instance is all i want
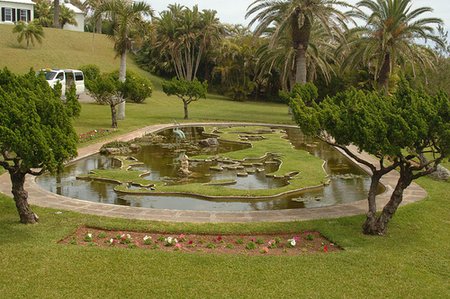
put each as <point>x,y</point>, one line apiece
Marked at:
<point>43,198</point>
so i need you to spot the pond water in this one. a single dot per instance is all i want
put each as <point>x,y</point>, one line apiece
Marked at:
<point>348,182</point>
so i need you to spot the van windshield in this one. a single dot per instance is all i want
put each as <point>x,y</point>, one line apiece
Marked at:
<point>49,75</point>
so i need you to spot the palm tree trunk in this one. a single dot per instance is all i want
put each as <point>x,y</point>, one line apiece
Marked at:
<point>98,25</point>
<point>56,14</point>
<point>383,78</point>
<point>113,117</point>
<point>300,64</point>
<point>122,78</point>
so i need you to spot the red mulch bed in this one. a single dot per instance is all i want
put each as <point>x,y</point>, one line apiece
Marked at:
<point>305,242</point>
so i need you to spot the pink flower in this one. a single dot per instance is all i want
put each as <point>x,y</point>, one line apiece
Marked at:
<point>178,246</point>
<point>296,238</point>
<point>325,248</point>
<point>182,236</point>
<point>190,242</point>
<point>265,249</point>
<point>219,238</point>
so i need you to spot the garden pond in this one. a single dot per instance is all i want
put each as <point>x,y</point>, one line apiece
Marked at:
<point>159,163</point>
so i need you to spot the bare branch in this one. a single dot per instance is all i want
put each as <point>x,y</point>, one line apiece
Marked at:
<point>348,152</point>
<point>36,173</point>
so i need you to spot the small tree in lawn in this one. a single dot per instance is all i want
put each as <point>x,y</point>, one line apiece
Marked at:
<point>187,91</point>
<point>408,131</point>
<point>36,133</point>
<point>30,32</point>
<point>106,89</point>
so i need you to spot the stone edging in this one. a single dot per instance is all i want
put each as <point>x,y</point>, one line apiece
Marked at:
<point>44,198</point>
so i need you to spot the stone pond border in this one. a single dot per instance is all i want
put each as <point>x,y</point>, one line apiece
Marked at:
<point>46,199</point>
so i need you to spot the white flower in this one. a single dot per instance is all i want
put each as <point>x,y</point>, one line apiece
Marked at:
<point>111,241</point>
<point>292,242</point>
<point>147,238</point>
<point>89,236</point>
<point>128,236</point>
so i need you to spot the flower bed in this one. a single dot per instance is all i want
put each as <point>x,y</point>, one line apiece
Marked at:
<point>94,134</point>
<point>305,242</point>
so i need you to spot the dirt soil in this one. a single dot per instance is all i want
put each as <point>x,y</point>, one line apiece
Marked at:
<point>305,242</point>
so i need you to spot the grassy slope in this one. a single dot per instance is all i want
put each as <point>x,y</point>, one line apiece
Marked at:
<point>411,261</point>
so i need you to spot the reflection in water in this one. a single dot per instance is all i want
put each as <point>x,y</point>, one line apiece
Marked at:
<point>348,182</point>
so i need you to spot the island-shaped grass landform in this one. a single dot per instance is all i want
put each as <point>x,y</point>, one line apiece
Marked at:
<point>299,169</point>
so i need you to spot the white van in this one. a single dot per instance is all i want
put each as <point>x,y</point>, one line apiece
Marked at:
<point>66,78</point>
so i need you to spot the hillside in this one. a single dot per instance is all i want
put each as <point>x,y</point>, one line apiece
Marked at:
<point>61,49</point>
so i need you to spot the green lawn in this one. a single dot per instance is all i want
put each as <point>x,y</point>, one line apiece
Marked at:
<point>412,261</point>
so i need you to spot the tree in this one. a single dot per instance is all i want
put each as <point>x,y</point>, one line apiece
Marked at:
<point>31,32</point>
<point>106,89</point>
<point>36,133</point>
<point>185,35</point>
<point>43,13</point>
<point>96,20</point>
<point>56,12</point>
<point>296,17</point>
<point>280,57</point>
<point>127,17</point>
<point>391,37</point>
<point>408,131</point>
<point>66,16</point>
<point>187,91</point>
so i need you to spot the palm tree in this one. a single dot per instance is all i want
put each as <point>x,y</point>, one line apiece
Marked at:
<point>390,37</point>
<point>43,12</point>
<point>296,17</point>
<point>91,6</point>
<point>127,17</point>
<point>66,16</point>
<point>56,12</point>
<point>31,32</point>
<point>320,55</point>
<point>185,35</point>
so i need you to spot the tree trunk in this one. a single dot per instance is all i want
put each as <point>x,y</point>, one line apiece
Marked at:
<point>113,116</point>
<point>21,198</point>
<point>98,25</point>
<point>383,78</point>
<point>300,63</point>
<point>370,224</point>
<point>122,78</point>
<point>186,114</point>
<point>380,226</point>
<point>56,12</point>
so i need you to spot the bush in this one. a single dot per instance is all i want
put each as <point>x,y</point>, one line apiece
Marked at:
<point>91,73</point>
<point>136,88</point>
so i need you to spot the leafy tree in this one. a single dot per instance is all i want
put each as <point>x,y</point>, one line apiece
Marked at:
<point>107,89</point>
<point>36,133</point>
<point>31,32</point>
<point>73,106</point>
<point>67,16</point>
<point>391,37</point>
<point>187,91</point>
<point>409,131</point>
<point>296,17</point>
<point>128,17</point>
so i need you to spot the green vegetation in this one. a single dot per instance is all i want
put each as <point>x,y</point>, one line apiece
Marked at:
<point>36,132</point>
<point>398,129</point>
<point>411,259</point>
<point>187,91</point>
<point>30,32</point>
